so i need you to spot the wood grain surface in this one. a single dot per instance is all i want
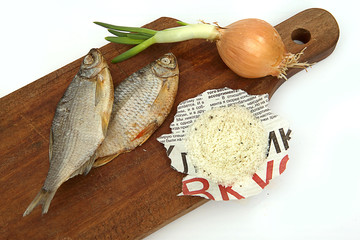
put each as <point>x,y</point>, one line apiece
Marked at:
<point>136,193</point>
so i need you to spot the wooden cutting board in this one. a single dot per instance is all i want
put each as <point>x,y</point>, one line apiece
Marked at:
<point>135,194</point>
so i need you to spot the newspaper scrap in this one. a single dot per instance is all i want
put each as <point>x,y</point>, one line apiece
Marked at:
<point>189,110</point>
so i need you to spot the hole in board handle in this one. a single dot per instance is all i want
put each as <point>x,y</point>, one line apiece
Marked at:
<point>300,36</point>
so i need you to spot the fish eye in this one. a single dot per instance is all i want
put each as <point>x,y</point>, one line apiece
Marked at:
<point>165,60</point>
<point>89,59</point>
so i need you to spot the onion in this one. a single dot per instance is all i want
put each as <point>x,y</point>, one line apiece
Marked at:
<point>252,48</point>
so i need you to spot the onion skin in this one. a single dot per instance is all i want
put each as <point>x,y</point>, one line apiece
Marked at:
<point>252,48</point>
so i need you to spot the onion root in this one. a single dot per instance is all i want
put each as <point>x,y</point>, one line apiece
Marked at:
<point>292,61</point>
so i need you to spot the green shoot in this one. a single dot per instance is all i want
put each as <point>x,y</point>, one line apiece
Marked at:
<point>133,51</point>
<point>124,40</point>
<point>182,23</point>
<point>127,29</point>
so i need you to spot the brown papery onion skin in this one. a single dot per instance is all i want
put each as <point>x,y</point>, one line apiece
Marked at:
<point>252,48</point>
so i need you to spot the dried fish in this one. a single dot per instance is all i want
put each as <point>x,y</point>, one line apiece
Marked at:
<point>79,126</point>
<point>141,104</point>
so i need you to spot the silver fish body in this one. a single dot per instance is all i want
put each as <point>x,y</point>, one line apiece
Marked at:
<point>79,126</point>
<point>141,103</point>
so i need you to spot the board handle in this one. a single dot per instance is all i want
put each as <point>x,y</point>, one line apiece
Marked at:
<point>314,29</point>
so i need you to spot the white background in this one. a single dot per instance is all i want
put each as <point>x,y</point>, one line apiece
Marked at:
<point>318,195</point>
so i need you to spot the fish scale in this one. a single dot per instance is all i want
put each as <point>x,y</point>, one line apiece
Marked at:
<point>140,96</point>
<point>141,103</point>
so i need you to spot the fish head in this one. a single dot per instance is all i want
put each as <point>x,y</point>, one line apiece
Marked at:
<point>92,64</point>
<point>166,66</point>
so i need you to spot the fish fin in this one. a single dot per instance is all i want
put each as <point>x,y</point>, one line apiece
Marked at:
<point>99,89</point>
<point>85,168</point>
<point>44,198</point>
<point>88,165</point>
<point>147,131</point>
<point>104,122</point>
<point>167,90</point>
<point>104,160</point>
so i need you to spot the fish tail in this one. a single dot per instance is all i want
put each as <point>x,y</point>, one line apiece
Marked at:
<point>44,198</point>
